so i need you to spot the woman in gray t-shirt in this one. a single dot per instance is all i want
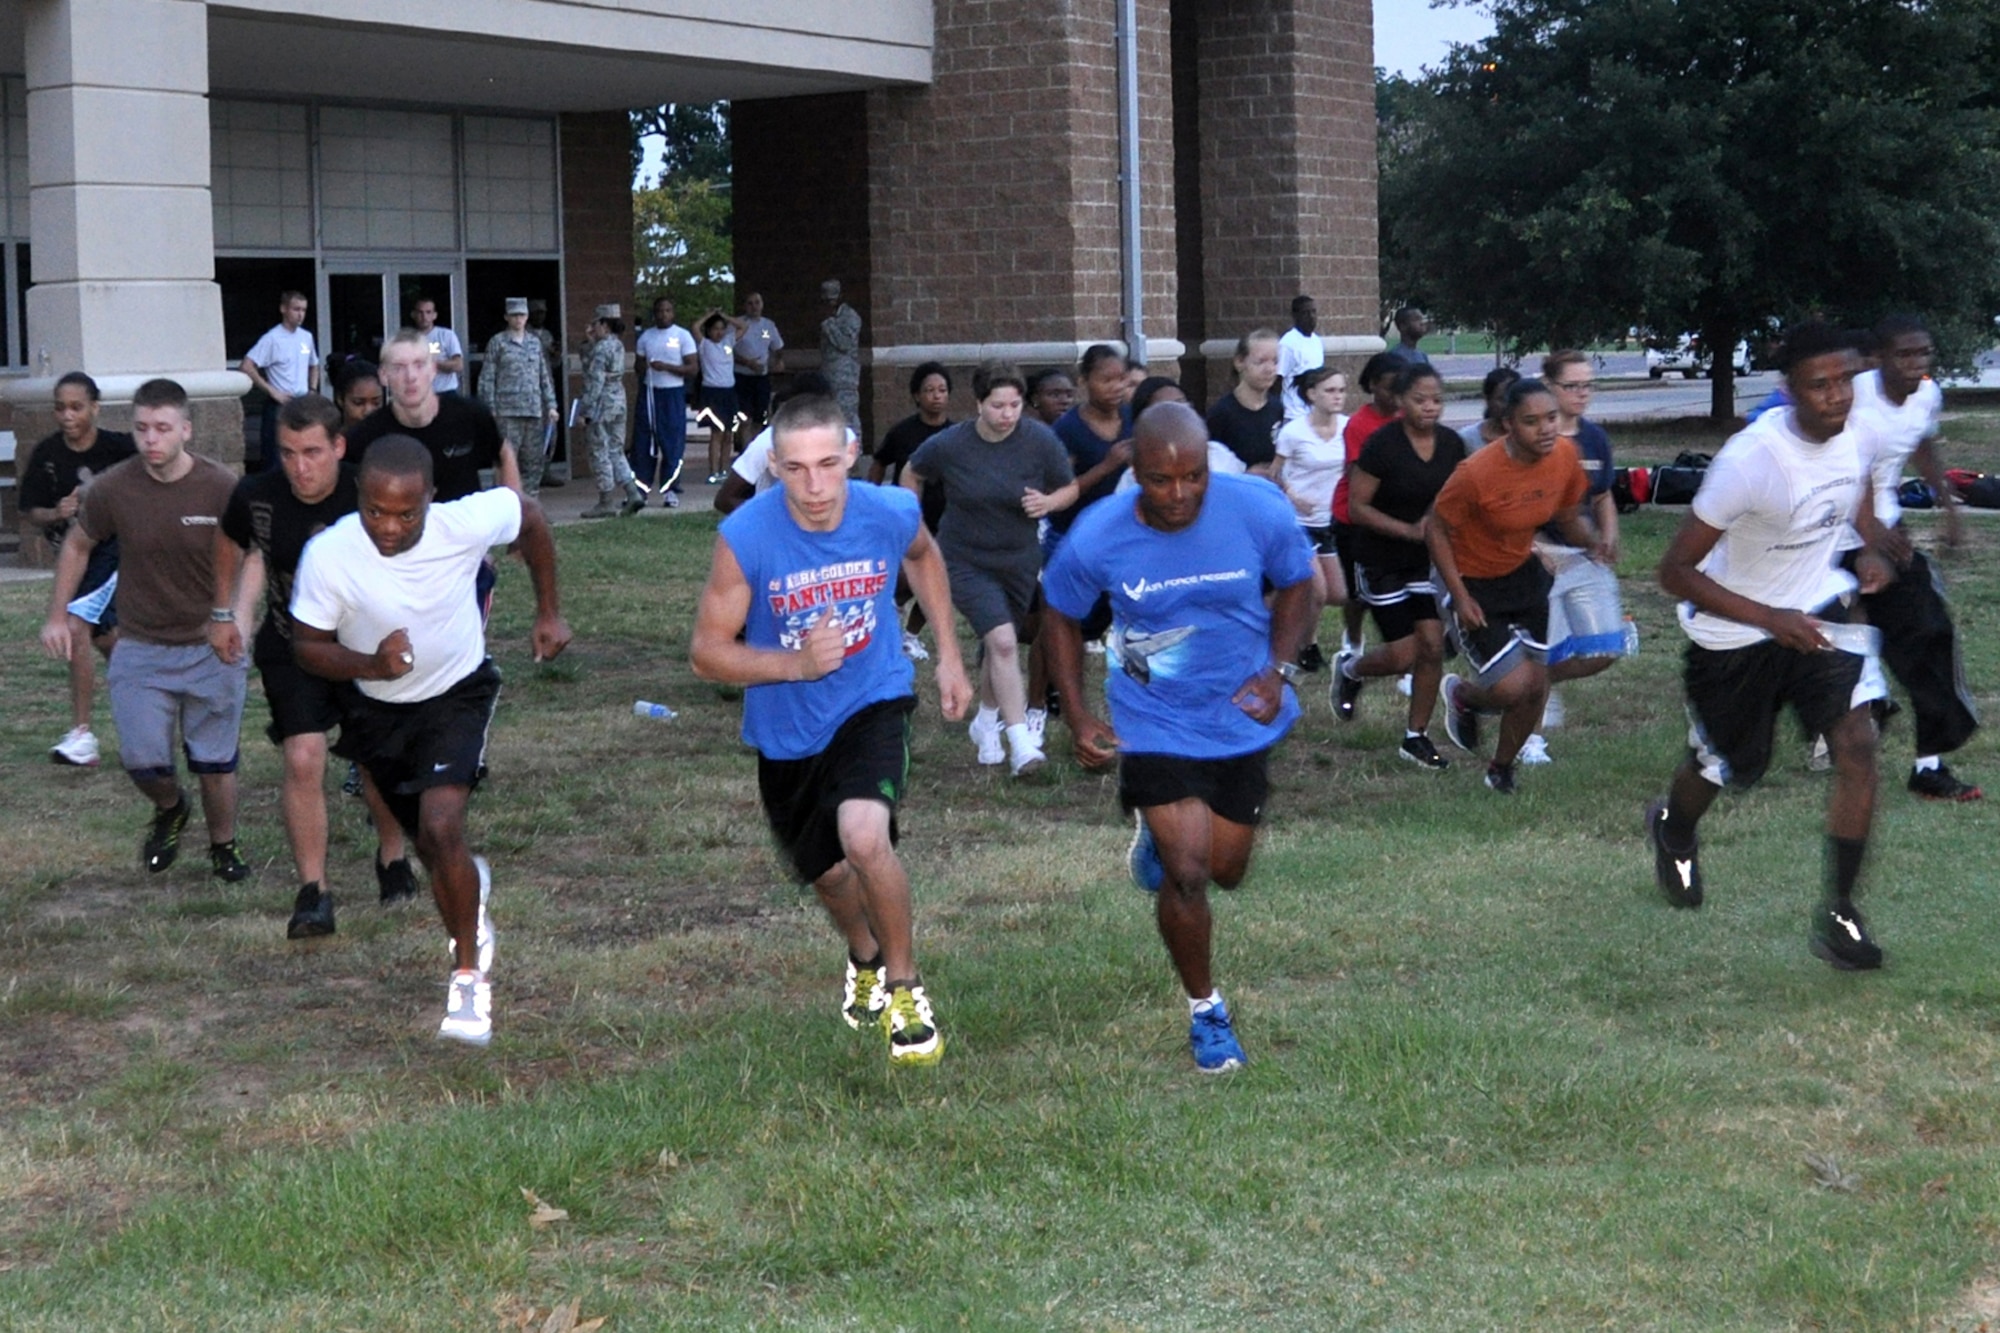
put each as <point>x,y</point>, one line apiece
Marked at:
<point>1001,476</point>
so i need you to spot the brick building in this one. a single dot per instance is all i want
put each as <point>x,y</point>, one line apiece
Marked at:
<point>171,165</point>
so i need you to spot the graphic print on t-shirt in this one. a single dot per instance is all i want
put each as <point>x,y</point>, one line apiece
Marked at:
<point>848,587</point>
<point>1164,653</point>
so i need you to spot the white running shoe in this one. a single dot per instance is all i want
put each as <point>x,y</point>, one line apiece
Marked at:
<point>913,648</point>
<point>1027,751</point>
<point>985,734</point>
<point>484,937</point>
<point>78,748</point>
<point>1403,685</point>
<point>1534,750</point>
<point>468,1009</point>
<point>1094,648</point>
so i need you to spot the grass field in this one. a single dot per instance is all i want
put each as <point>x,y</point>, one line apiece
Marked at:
<point>1495,1081</point>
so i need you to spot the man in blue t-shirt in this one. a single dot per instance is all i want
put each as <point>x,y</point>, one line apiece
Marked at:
<point>1185,566</point>
<point>800,610</point>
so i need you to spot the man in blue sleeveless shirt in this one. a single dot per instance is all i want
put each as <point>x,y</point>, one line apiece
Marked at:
<point>806,575</point>
<point>1200,678</point>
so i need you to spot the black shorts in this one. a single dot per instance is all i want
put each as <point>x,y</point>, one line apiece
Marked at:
<point>1321,540</point>
<point>1516,607</point>
<point>301,704</point>
<point>1398,599</point>
<point>867,759</point>
<point>754,395</point>
<point>410,748</point>
<point>1235,788</point>
<point>1734,694</point>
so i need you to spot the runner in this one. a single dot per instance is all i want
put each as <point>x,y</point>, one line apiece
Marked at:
<point>805,574</point>
<point>1200,690</point>
<point>1766,604</point>
<point>384,599</point>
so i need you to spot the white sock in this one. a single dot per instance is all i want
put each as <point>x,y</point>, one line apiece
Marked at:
<point>1347,668</point>
<point>1202,1004</point>
<point>986,717</point>
<point>1926,762</point>
<point>1409,735</point>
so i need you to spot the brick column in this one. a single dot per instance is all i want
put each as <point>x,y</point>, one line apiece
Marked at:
<point>596,155</point>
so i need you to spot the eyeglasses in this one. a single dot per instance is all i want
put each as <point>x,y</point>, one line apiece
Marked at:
<point>1577,386</point>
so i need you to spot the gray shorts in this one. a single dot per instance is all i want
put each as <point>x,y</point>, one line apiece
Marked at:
<point>989,596</point>
<point>154,686</point>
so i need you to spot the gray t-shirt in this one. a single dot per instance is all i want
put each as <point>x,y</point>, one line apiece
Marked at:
<point>983,482</point>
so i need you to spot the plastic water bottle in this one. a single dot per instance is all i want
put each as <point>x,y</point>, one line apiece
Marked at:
<point>1631,637</point>
<point>647,708</point>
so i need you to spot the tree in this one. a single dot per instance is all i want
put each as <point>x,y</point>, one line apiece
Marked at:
<point>1706,165</point>
<point>681,216</point>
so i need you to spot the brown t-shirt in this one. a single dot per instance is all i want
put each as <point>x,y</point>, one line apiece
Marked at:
<point>166,541</point>
<point>1494,504</point>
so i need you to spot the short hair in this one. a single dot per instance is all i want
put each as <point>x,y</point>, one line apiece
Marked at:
<point>1096,355</point>
<point>717,318</point>
<point>1520,391</point>
<point>1380,364</point>
<point>659,301</point>
<point>352,372</point>
<point>399,456</point>
<point>991,375</point>
<point>808,411</point>
<point>1553,363</point>
<point>290,295</point>
<point>1040,379</point>
<point>1415,373</point>
<point>161,393</point>
<point>303,411</point>
<point>406,337</point>
<point>1301,301</point>
<point>82,381</point>
<point>1812,339</point>
<point>1150,388</point>
<point>1256,335</point>
<point>1497,379</point>
<point>1308,380</point>
<point>1891,327</point>
<point>1403,312</point>
<point>924,372</point>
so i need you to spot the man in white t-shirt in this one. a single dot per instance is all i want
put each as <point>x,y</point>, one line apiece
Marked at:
<point>1765,601</point>
<point>1896,412</point>
<point>1299,350</point>
<point>384,598</point>
<point>668,355</point>
<point>760,354</point>
<point>284,364</point>
<point>446,352</point>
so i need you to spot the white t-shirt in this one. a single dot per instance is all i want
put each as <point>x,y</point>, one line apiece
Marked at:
<point>1890,434</point>
<point>445,347</point>
<point>755,344</point>
<point>286,356</point>
<point>1297,353</point>
<point>718,362</point>
<point>754,463</point>
<point>1312,467</point>
<point>347,586</point>
<point>672,345</point>
<point>1783,504</point>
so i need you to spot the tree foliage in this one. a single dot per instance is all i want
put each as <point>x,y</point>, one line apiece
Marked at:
<point>681,217</point>
<point>1702,164</point>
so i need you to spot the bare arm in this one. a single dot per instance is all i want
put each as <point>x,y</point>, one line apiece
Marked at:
<point>718,655</point>
<point>239,582</point>
<point>923,563</point>
<point>1679,577</point>
<point>1605,510</point>
<point>71,561</point>
<point>912,481</point>
<point>319,653</point>
<point>1437,538</point>
<point>256,374</point>
<point>1930,466</point>
<point>1038,504</point>
<point>1095,743</point>
<point>735,493</point>
<point>1291,617</point>
<point>507,469</point>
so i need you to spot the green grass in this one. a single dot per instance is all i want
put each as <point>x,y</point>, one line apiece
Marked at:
<point>1495,1081</point>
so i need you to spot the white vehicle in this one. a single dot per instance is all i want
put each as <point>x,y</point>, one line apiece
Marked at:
<point>1690,358</point>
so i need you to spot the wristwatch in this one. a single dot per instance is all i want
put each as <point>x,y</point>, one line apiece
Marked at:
<point>1290,671</point>
<point>222,615</point>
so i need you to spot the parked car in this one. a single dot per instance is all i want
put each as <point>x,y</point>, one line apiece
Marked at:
<point>1689,358</point>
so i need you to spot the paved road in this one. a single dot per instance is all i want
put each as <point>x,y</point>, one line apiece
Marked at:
<point>1624,392</point>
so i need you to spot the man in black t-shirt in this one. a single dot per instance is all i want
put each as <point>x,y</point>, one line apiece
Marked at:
<point>460,433</point>
<point>271,516</point>
<point>51,490</point>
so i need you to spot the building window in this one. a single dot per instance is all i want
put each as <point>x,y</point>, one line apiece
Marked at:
<point>387,180</point>
<point>261,175</point>
<point>510,184</point>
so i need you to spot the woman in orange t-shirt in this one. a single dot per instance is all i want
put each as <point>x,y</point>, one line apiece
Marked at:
<point>1481,533</point>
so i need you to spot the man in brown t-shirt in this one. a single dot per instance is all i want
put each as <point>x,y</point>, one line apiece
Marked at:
<point>163,507</point>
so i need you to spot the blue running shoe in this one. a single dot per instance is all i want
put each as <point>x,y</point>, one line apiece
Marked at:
<point>1216,1050</point>
<point>1142,859</point>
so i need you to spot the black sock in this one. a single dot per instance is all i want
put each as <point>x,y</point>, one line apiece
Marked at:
<point>1676,835</point>
<point>1843,866</point>
<point>861,962</point>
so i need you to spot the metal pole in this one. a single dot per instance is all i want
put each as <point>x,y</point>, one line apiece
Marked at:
<point>1129,254</point>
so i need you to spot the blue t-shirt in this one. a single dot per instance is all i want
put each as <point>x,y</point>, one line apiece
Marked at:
<point>1188,621</point>
<point>1086,451</point>
<point>794,577</point>
<point>1593,450</point>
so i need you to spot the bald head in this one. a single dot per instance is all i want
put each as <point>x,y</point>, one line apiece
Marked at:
<point>1170,463</point>
<point>1169,426</point>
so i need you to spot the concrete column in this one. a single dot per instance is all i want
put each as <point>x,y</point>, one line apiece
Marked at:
<point>119,212</point>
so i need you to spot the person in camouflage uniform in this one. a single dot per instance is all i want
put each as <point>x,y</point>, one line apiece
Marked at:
<point>840,352</point>
<point>517,388</point>
<point>602,409</point>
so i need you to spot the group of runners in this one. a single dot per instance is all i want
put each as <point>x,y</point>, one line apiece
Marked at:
<point>1203,564</point>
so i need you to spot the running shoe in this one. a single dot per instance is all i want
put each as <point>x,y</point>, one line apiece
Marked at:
<point>986,735</point>
<point>1461,724</point>
<point>468,1009</point>
<point>77,748</point>
<point>914,1038</point>
<point>1311,658</point>
<point>1840,936</point>
<point>1142,858</point>
<point>1216,1050</point>
<point>352,783</point>
<point>1941,784</point>
<point>1677,874</point>
<point>1419,751</point>
<point>672,500</point>
<point>1534,750</point>
<point>312,913</point>
<point>1345,690</point>
<point>227,863</point>
<point>913,648</point>
<point>1027,758</point>
<point>163,841</point>
<point>1500,778</point>
<point>395,881</point>
<point>1820,758</point>
<point>1405,684</point>
<point>1038,723</point>
<point>717,478</point>
<point>862,998</point>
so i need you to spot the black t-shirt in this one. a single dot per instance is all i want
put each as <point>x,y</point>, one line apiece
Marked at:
<point>54,470</point>
<point>1406,486</point>
<point>265,516</point>
<point>1251,436</point>
<point>462,438</point>
<point>897,445</point>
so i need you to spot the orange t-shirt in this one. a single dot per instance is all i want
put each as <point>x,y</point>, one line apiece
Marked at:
<point>1495,505</point>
